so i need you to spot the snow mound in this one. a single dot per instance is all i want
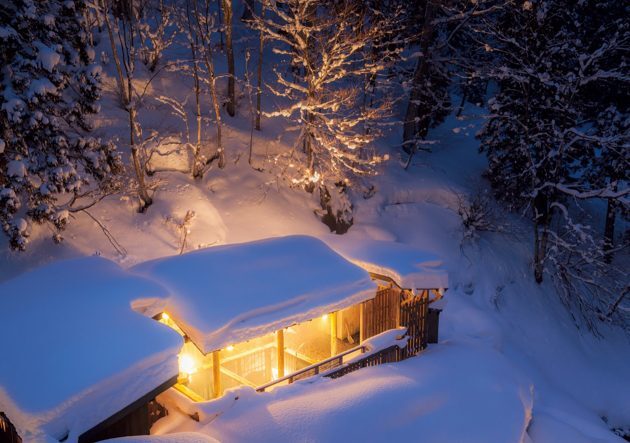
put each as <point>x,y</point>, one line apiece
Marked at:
<point>77,351</point>
<point>455,392</point>
<point>229,294</point>
<point>170,155</point>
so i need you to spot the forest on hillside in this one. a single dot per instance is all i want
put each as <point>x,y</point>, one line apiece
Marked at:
<point>551,75</point>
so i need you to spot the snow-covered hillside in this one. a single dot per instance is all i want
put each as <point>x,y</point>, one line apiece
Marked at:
<point>511,366</point>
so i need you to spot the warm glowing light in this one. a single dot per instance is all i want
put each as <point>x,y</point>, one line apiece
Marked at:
<point>274,373</point>
<point>187,364</point>
<point>230,348</point>
<point>324,317</point>
<point>165,316</point>
<point>441,291</point>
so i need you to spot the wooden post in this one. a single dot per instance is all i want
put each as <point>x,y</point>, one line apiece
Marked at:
<point>333,333</point>
<point>216,373</point>
<point>268,373</point>
<point>280,352</point>
<point>399,294</point>
<point>361,322</point>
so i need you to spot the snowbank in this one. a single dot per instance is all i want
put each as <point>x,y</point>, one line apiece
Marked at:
<point>73,350</point>
<point>230,294</point>
<point>408,266</point>
<point>456,392</point>
<point>181,437</point>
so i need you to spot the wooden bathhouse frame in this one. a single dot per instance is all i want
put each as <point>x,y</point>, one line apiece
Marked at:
<point>392,307</point>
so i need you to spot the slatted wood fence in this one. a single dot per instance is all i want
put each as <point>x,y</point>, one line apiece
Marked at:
<point>413,315</point>
<point>393,307</point>
<point>381,314</point>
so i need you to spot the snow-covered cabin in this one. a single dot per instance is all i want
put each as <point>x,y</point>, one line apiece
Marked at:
<point>255,313</point>
<point>91,345</point>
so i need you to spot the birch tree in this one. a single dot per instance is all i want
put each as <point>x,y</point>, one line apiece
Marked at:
<point>203,27</point>
<point>324,44</point>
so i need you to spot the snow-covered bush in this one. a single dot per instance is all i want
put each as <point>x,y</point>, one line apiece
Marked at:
<point>477,214</point>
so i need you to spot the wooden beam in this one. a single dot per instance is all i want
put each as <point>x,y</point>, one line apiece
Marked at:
<point>238,378</point>
<point>268,365</point>
<point>333,333</point>
<point>299,355</point>
<point>280,352</point>
<point>216,373</point>
<point>189,392</point>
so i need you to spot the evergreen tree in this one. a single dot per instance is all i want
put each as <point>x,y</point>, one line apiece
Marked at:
<point>49,166</point>
<point>552,137</point>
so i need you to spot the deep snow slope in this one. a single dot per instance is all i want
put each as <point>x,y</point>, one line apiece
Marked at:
<point>511,366</point>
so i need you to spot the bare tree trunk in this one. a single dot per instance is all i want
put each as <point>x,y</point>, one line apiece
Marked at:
<point>248,10</point>
<point>196,167</point>
<point>609,228</point>
<point>251,109</point>
<point>97,15</point>
<point>538,253</point>
<point>461,104</point>
<point>413,128</point>
<point>541,235</point>
<point>229,51</point>
<point>88,24</point>
<point>145,199</point>
<point>220,22</point>
<point>259,73</point>
<point>207,53</point>
<point>308,149</point>
<point>119,79</point>
<point>127,42</point>
<point>193,39</point>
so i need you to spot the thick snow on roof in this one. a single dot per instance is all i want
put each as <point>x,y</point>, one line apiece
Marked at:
<point>408,266</point>
<point>230,294</point>
<point>73,350</point>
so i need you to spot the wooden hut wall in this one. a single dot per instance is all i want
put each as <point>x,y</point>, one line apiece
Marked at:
<point>136,422</point>
<point>8,434</point>
<point>135,419</point>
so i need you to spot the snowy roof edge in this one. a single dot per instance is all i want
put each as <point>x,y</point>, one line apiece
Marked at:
<point>219,339</point>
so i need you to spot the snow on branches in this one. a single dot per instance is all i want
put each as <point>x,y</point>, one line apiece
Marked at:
<point>49,167</point>
<point>330,49</point>
<point>557,136</point>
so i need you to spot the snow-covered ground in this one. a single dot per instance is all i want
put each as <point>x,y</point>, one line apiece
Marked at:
<point>510,366</point>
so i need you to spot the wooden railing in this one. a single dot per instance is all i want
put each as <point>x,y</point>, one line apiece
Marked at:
<point>409,311</point>
<point>387,355</point>
<point>318,368</point>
